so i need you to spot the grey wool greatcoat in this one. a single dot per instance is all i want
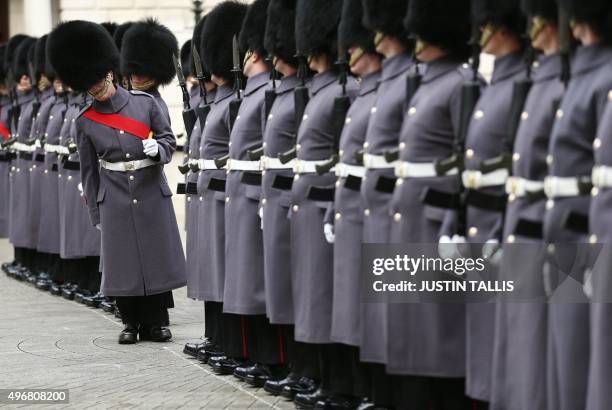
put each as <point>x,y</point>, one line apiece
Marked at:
<point>278,138</point>
<point>75,102</point>
<point>244,277</point>
<point>382,134</point>
<point>214,143</point>
<point>519,355</point>
<point>346,214</point>
<point>428,134</point>
<point>191,216</point>
<point>141,247</point>
<point>5,168</point>
<point>78,237</point>
<point>20,176</point>
<point>47,100</point>
<point>600,372</point>
<point>570,154</point>
<point>311,255</point>
<point>485,140</point>
<point>48,223</point>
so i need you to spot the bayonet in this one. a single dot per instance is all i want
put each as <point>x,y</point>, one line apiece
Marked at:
<point>234,105</point>
<point>197,62</point>
<point>189,117</point>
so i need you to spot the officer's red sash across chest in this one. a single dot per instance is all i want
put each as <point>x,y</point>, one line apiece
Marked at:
<point>120,122</point>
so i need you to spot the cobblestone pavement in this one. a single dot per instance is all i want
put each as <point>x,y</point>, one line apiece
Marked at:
<point>49,342</point>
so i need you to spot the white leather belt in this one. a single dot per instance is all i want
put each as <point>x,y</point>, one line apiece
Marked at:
<point>239,165</point>
<point>275,163</point>
<point>56,149</point>
<point>127,166</point>
<point>475,179</point>
<point>38,144</point>
<point>344,170</point>
<point>308,167</point>
<point>601,176</point>
<point>377,162</point>
<point>205,164</point>
<point>520,187</point>
<point>21,147</point>
<point>558,187</point>
<point>406,169</point>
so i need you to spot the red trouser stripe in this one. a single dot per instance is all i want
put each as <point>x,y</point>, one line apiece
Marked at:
<point>244,342</point>
<point>281,342</point>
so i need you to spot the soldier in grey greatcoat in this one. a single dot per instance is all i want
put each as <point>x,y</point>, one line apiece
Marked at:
<point>244,292</point>
<point>22,124</point>
<point>5,161</point>
<point>222,24</point>
<point>391,40</point>
<point>574,142</point>
<point>433,364</point>
<point>125,188</point>
<point>344,217</point>
<point>519,355</point>
<point>503,27</point>
<point>312,190</point>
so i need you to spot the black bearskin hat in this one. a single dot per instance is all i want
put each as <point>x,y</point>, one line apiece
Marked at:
<point>186,58</point>
<point>40,58</point>
<point>120,32</point>
<point>316,27</point>
<point>253,28</point>
<point>222,23</point>
<point>596,13</point>
<point>505,13</point>
<point>546,9</point>
<point>24,56</point>
<point>279,38</point>
<point>82,53</point>
<point>110,27</point>
<point>147,50</point>
<point>351,31</point>
<point>442,23</point>
<point>386,16</point>
<point>2,70</point>
<point>9,52</point>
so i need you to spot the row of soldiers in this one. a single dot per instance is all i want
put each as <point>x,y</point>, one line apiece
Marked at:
<point>290,174</point>
<point>288,177</point>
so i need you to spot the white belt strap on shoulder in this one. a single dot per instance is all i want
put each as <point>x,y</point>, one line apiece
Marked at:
<point>475,179</point>
<point>275,163</point>
<point>557,187</point>
<point>239,165</point>
<point>377,162</point>
<point>520,187</point>
<point>406,169</point>
<point>602,176</point>
<point>206,164</point>
<point>309,167</point>
<point>344,170</point>
<point>127,166</point>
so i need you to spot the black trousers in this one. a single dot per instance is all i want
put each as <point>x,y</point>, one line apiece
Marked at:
<point>431,393</point>
<point>305,359</point>
<point>213,321</point>
<point>142,310</point>
<point>84,272</point>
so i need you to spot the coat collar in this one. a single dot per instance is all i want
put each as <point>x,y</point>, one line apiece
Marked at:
<point>322,80</point>
<point>508,66</point>
<point>25,97</point>
<point>588,58</point>
<point>287,84</point>
<point>438,68</point>
<point>548,67</point>
<point>223,92</point>
<point>396,65</point>
<point>113,104</point>
<point>47,92</point>
<point>369,83</point>
<point>256,82</point>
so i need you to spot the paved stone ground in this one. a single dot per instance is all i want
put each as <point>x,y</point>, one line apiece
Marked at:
<point>51,343</point>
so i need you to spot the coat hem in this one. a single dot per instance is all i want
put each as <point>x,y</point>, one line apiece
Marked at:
<point>424,373</point>
<point>167,288</point>
<point>243,310</point>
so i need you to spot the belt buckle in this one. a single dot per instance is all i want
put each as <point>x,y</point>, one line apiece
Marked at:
<point>598,177</point>
<point>262,163</point>
<point>400,169</point>
<point>512,185</point>
<point>130,166</point>
<point>296,166</point>
<point>471,179</point>
<point>549,187</point>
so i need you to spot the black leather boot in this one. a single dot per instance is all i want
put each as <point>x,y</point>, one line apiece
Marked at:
<point>154,333</point>
<point>129,335</point>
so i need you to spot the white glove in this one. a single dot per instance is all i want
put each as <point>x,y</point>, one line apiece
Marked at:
<point>492,251</point>
<point>260,213</point>
<point>452,248</point>
<point>587,286</point>
<point>328,230</point>
<point>80,187</point>
<point>98,227</point>
<point>150,147</point>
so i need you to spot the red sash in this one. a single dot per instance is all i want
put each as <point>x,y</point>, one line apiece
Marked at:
<point>3,131</point>
<point>119,122</point>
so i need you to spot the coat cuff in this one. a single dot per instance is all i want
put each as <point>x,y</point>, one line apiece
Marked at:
<point>94,216</point>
